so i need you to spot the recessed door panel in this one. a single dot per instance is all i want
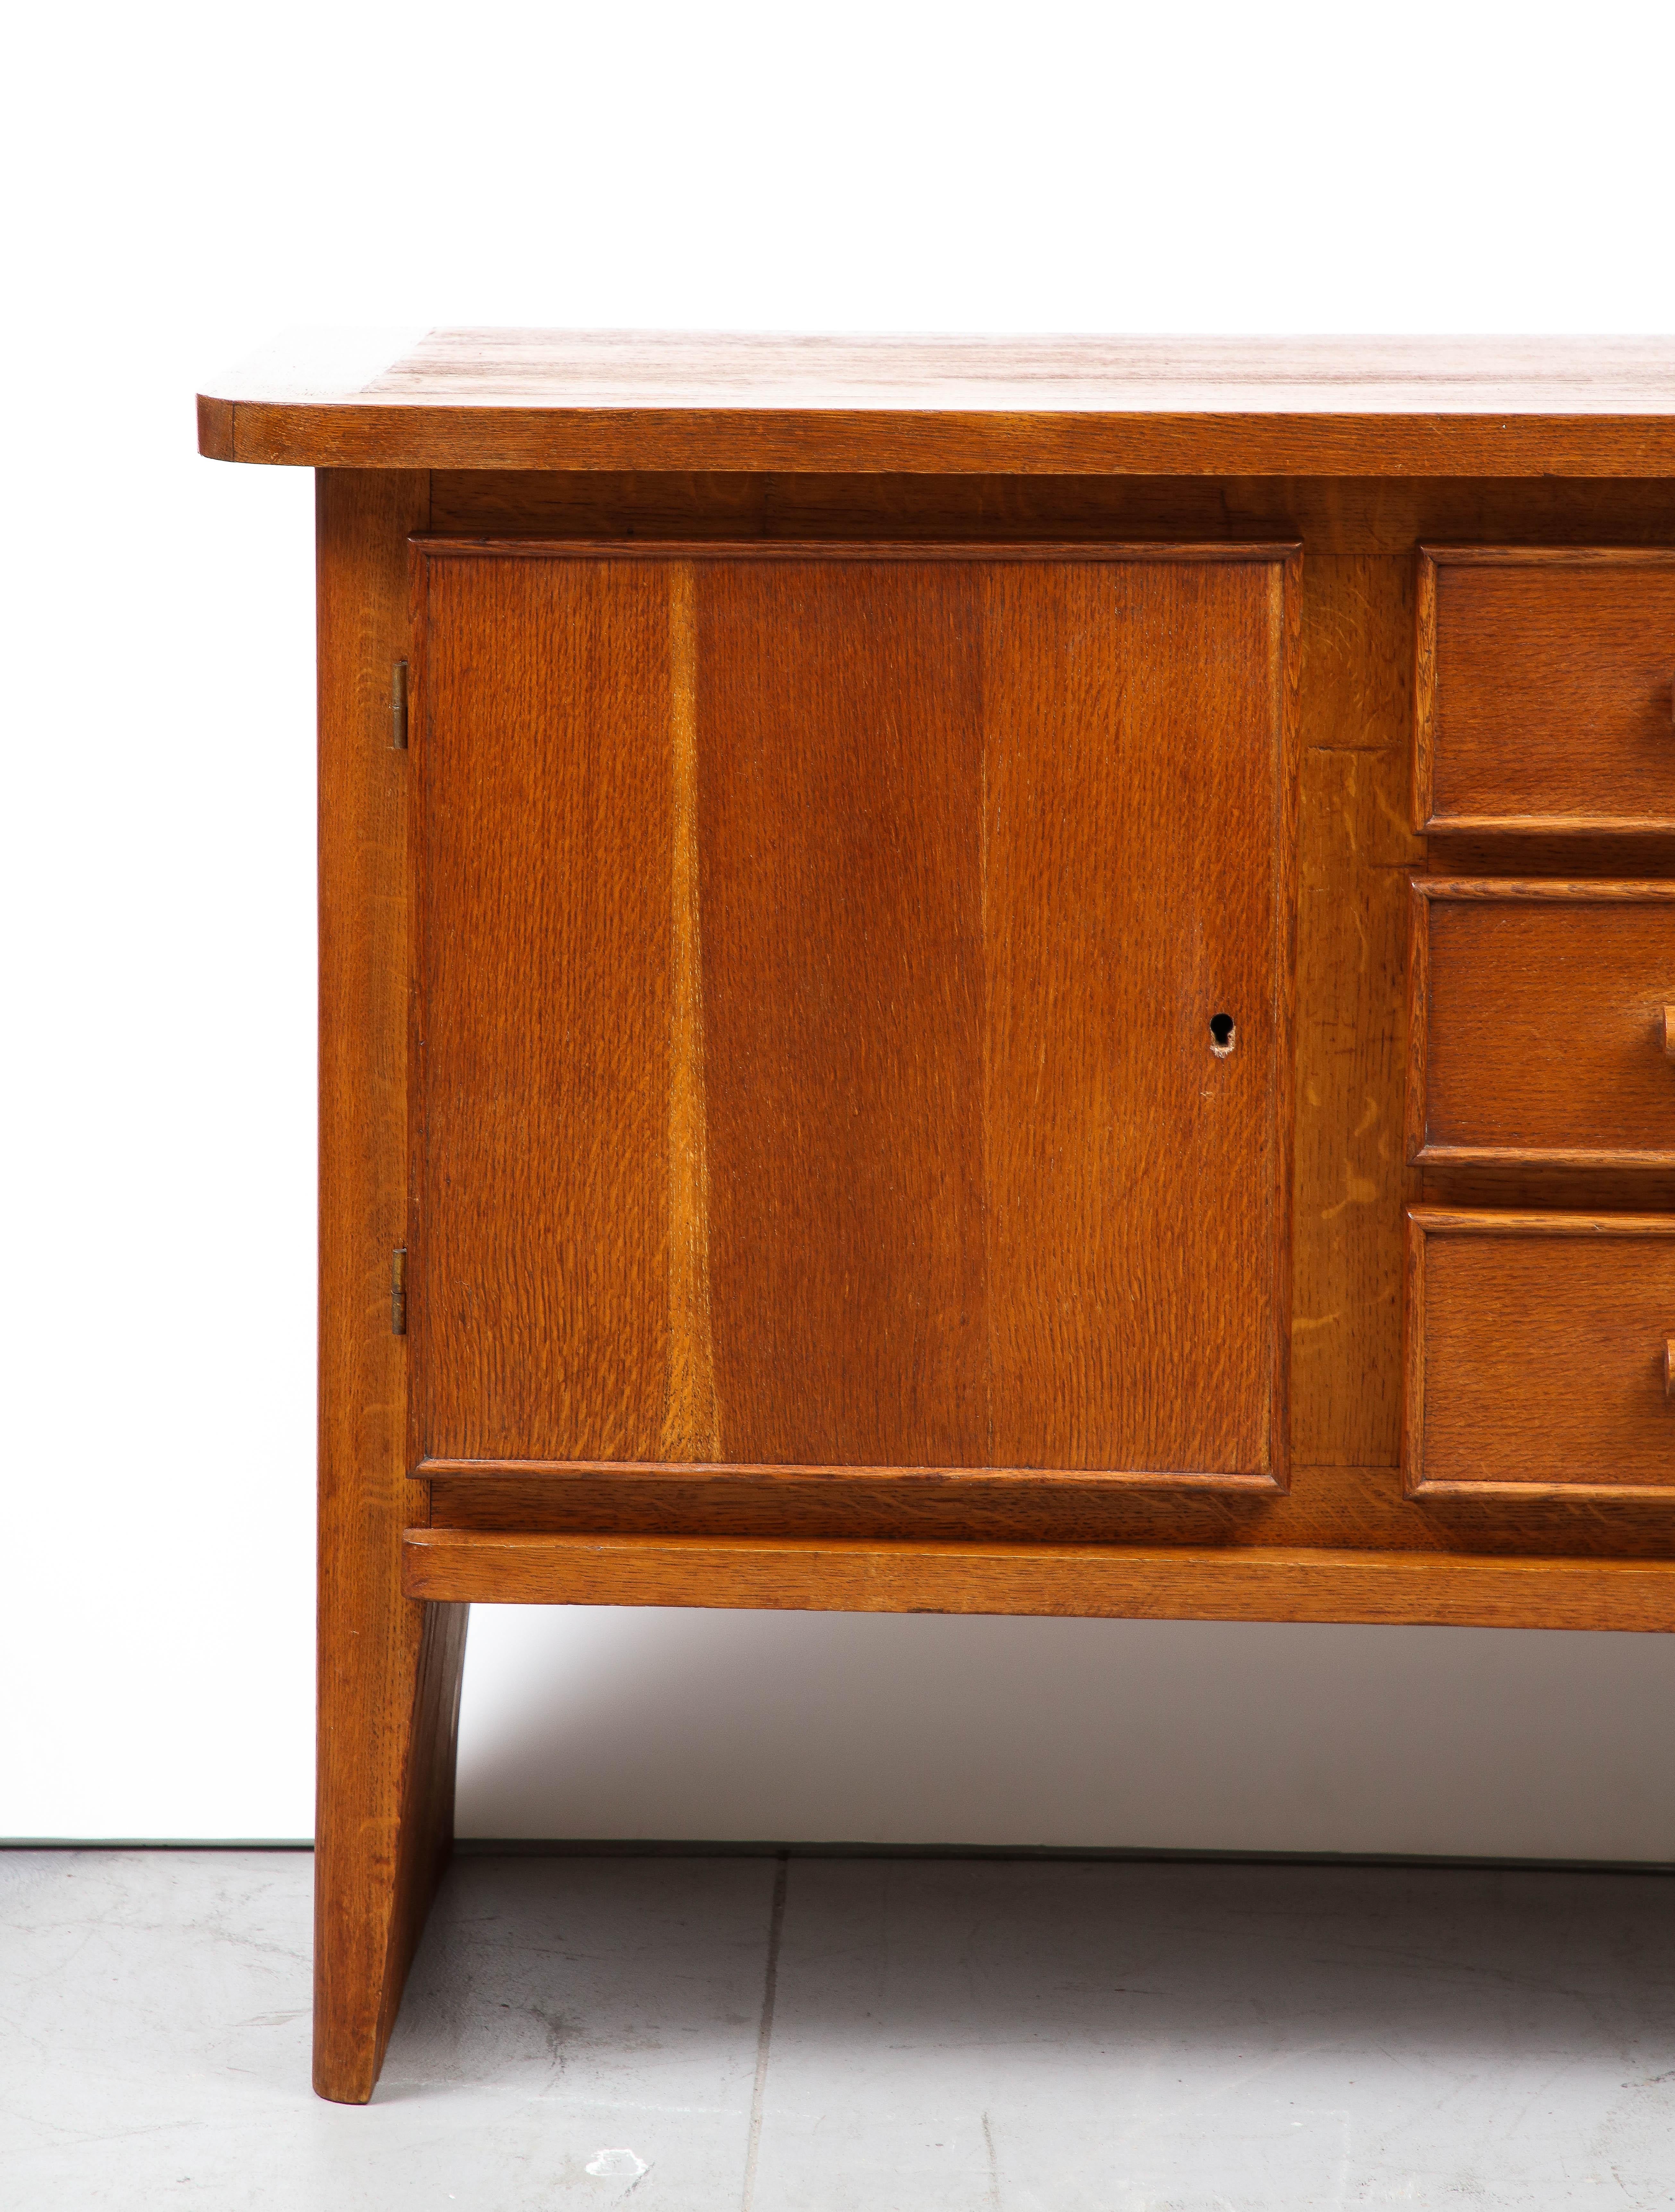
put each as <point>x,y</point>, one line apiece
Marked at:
<point>1132,751</point>
<point>852,999</point>
<point>840,721</point>
<point>538,1270</point>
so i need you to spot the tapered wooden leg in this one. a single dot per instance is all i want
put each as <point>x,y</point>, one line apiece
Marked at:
<point>386,1828</point>
<point>389,1667</point>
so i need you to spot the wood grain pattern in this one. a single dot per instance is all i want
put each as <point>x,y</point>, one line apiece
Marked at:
<point>1333,1508</point>
<point>1582,1302</point>
<point>1084,1582</point>
<point>1424,689</point>
<point>690,1426</point>
<point>533,399</point>
<point>1138,837</point>
<point>531,1475</point>
<point>841,737</point>
<point>389,1668</point>
<point>1548,702</point>
<point>912,553</point>
<point>1537,1024</point>
<point>980,849</point>
<point>1356,852</point>
<point>540,1267</point>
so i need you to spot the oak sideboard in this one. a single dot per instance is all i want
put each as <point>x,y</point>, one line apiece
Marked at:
<point>1025,976</point>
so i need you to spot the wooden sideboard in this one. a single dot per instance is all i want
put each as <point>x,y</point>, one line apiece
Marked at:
<point>1029,976</point>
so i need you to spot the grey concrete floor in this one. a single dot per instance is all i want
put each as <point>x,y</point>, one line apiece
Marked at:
<point>751,2035</point>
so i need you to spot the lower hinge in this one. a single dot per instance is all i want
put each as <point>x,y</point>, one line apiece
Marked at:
<point>398,1290</point>
<point>399,706</point>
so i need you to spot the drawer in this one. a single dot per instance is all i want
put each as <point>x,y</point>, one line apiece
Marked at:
<point>1540,1024</point>
<point>1539,1355</point>
<point>1545,691</point>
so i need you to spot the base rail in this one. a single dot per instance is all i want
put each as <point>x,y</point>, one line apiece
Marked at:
<point>1086,1581</point>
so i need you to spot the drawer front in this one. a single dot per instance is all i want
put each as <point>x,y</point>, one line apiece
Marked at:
<point>1545,690</point>
<point>1538,1351</point>
<point>1540,1024</point>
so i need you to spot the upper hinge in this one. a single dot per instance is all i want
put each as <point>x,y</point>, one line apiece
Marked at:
<point>398,1290</point>
<point>399,706</point>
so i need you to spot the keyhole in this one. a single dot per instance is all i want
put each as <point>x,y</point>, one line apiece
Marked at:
<point>1222,1034</point>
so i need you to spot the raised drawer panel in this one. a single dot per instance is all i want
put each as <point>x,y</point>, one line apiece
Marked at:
<point>1544,693</point>
<point>1539,1033</point>
<point>1538,1353</point>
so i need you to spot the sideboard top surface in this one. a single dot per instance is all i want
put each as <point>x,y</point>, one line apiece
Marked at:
<point>1210,406</point>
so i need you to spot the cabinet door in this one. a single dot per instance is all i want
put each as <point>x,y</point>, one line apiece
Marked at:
<point>852,1008</point>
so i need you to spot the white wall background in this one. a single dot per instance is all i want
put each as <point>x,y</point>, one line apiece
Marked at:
<point>183,181</point>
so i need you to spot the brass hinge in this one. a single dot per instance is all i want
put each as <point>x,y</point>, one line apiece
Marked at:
<point>399,706</point>
<point>398,1290</point>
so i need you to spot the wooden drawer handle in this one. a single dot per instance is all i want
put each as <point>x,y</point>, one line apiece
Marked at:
<point>1669,1368</point>
<point>1669,1031</point>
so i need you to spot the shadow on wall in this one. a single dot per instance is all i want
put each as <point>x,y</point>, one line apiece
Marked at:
<point>829,1728</point>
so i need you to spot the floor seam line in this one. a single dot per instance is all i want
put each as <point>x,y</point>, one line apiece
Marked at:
<point>764,2033</point>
